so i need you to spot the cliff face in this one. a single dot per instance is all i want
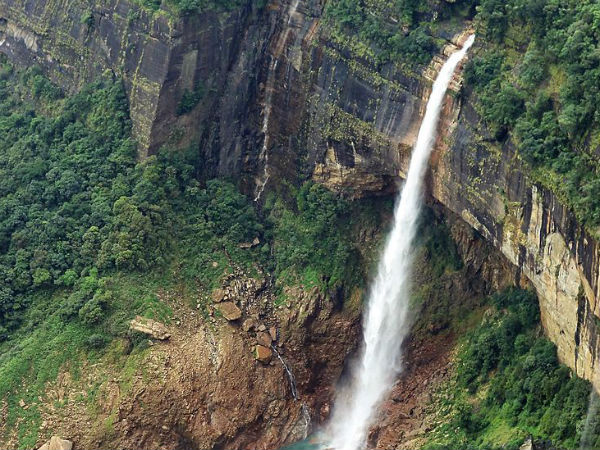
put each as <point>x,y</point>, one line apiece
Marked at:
<point>355,133</point>
<point>486,185</point>
<point>284,101</point>
<point>158,56</point>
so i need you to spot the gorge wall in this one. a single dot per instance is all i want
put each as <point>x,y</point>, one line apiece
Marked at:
<point>160,57</point>
<point>335,117</point>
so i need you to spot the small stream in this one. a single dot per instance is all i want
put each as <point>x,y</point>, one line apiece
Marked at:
<point>294,390</point>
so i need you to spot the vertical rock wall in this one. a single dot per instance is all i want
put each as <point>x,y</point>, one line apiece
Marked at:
<point>336,117</point>
<point>158,55</point>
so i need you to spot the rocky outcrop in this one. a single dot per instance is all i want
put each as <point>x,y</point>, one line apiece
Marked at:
<point>159,56</point>
<point>57,443</point>
<point>210,385</point>
<point>229,310</point>
<point>263,354</point>
<point>152,328</point>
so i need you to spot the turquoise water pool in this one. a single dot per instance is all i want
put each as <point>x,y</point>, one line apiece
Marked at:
<point>314,442</point>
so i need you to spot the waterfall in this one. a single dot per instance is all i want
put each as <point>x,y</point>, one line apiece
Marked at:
<point>264,155</point>
<point>386,319</point>
<point>294,389</point>
<point>591,422</point>
<point>289,373</point>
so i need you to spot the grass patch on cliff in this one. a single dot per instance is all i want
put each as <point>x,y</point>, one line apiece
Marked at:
<point>509,385</point>
<point>48,343</point>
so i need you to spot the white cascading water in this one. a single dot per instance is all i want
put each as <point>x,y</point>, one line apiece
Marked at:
<point>386,320</point>
<point>268,106</point>
<point>264,155</point>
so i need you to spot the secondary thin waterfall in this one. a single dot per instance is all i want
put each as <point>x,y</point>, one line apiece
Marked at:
<point>268,105</point>
<point>386,319</point>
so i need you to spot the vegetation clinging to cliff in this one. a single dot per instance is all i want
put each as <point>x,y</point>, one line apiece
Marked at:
<point>509,384</point>
<point>537,81</point>
<point>369,22</point>
<point>315,216</point>
<point>399,31</point>
<point>188,7</point>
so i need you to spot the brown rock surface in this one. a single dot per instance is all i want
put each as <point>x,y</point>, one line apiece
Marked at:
<point>205,390</point>
<point>249,324</point>
<point>218,295</point>
<point>264,338</point>
<point>263,354</point>
<point>57,443</point>
<point>229,311</point>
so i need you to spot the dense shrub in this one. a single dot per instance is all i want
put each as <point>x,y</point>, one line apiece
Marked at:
<point>514,383</point>
<point>309,241</point>
<point>547,97</point>
<point>60,173</point>
<point>75,206</point>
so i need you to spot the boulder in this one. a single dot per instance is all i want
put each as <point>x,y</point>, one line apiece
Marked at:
<point>254,243</point>
<point>527,445</point>
<point>57,443</point>
<point>263,354</point>
<point>229,311</point>
<point>273,333</point>
<point>218,295</point>
<point>150,327</point>
<point>264,338</point>
<point>249,324</point>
